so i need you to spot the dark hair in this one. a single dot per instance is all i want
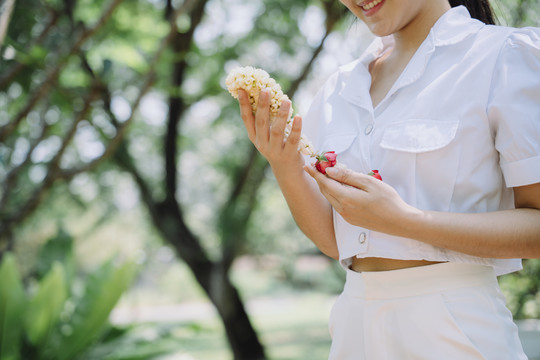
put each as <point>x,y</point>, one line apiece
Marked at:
<point>479,9</point>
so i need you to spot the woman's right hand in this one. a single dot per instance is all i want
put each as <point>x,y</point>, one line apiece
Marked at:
<point>269,139</point>
<point>310,209</point>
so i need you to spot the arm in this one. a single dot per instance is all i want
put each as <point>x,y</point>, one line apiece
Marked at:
<point>372,204</point>
<point>501,234</point>
<point>311,211</point>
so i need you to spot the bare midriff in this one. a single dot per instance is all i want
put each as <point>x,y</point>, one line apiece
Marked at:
<point>383,264</point>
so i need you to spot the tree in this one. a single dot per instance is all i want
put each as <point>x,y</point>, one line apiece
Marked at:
<point>63,79</point>
<point>75,76</point>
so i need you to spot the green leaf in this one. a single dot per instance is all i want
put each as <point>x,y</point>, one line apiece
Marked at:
<point>103,291</point>
<point>322,156</point>
<point>58,248</point>
<point>12,305</point>
<point>45,307</point>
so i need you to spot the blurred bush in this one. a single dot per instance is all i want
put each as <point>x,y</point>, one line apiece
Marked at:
<point>54,314</point>
<point>522,290</point>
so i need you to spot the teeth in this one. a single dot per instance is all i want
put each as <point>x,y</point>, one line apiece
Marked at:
<point>371,5</point>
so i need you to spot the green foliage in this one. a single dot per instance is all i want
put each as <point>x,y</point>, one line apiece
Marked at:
<point>522,290</point>
<point>58,248</point>
<point>44,308</point>
<point>138,342</point>
<point>105,75</point>
<point>517,12</point>
<point>56,322</point>
<point>102,292</point>
<point>12,305</point>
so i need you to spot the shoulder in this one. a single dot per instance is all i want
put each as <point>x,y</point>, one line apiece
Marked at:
<point>520,52</point>
<point>524,40</point>
<point>515,40</point>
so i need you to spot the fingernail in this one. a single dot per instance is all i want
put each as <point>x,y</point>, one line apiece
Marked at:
<point>332,171</point>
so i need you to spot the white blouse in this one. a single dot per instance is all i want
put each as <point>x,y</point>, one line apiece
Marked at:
<point>457,130</point>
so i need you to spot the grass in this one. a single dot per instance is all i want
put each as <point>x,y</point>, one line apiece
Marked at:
<point>290,316</point>
<point>291,328</point>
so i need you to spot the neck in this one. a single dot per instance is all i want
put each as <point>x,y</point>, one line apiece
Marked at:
<point>410,37</point>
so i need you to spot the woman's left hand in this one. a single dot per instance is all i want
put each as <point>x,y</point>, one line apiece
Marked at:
<point>364,201</point>
<point>372,204</point>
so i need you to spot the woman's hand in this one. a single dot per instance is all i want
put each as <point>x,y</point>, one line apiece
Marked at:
<point>364,201</point>
<point>310,209</point>
<point>372,204</point>
<point>269,139</point>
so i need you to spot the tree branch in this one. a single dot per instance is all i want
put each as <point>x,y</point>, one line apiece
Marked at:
<point>11,176</point>
<point>53,174</point>
<point>18,67</point>
<point>6,8</point>
<point>51,77</point>
<point>180,45</point>
<point>149,79</point>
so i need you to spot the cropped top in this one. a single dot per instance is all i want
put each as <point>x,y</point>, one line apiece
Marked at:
<point>458,129</point>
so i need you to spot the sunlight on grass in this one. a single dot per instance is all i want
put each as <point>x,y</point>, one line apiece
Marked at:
<point>290,316</point>
<point>293,328</point>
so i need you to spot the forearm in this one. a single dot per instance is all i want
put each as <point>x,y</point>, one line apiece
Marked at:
<point>501,234</point>
<point>310,209</point>
<point>375,205</point>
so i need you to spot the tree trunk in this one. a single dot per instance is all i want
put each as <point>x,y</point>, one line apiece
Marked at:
<point>214,279</point>
<point>243,339</point>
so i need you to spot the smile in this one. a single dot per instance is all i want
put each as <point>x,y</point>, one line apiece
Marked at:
<point>368,5</point>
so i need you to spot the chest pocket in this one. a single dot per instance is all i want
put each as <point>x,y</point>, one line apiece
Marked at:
<point>419,136</point>
<point>422,160</point>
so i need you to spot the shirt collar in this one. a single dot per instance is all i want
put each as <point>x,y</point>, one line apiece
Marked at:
<point>452,27</point>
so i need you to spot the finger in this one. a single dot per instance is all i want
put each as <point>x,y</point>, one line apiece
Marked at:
<point>247,113</point>
<point>296,133</point>
<point>277,129</point>
<point>262,118</point>
<point>349,177</point>
<point>331,189</point>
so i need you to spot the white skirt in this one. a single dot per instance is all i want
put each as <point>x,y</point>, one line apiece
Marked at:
<point>435,312</point>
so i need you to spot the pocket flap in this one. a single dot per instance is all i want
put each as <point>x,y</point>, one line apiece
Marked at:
<point>419,135</point>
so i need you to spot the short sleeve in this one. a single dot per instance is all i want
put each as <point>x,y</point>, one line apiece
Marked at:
<point>514,107</point>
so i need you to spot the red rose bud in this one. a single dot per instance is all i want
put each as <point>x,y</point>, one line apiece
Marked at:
<point>375,174</point>
<point>325,160</point>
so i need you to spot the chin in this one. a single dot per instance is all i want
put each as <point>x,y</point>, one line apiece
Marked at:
<point>380,31</point>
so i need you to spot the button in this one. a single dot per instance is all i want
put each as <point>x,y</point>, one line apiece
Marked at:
<point>362,238</point>
<point>368,129</point>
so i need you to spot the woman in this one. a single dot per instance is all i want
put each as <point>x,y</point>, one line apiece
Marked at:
<point>447,108</point>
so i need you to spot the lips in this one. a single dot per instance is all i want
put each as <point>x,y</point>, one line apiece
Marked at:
<point>370,7</point>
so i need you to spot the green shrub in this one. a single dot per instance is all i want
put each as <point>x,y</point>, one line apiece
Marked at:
<point>55,322</point>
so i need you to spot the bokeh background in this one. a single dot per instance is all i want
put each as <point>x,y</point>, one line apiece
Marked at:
<point>137,221</point>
